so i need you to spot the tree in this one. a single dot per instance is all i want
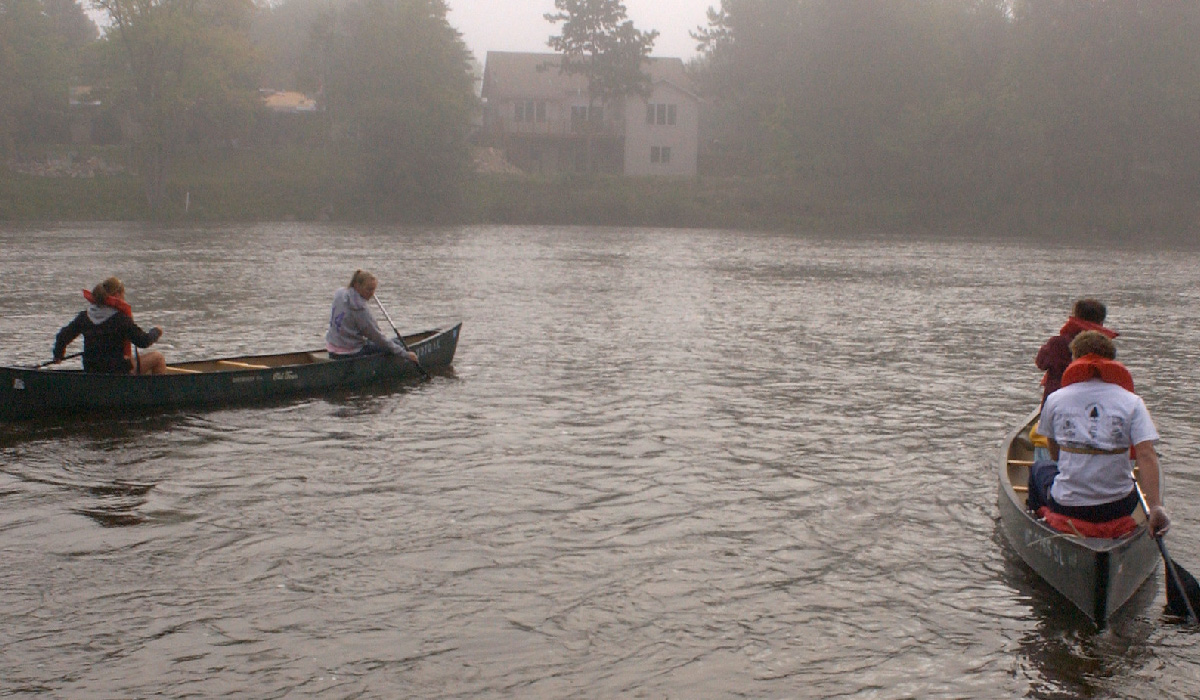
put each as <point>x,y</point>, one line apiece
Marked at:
<point>400,97</point>
<point>873,93</point>
<point>181,70</point>
<point>39,40</point>
<point>601,44</point>
<point>282,36</point>
<point>71,23</point>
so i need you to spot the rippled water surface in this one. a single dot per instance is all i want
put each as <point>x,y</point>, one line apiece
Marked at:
<point>667,464</point>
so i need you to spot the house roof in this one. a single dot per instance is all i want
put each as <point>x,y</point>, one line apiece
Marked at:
<point>512,74</point>
<point>281,101</point>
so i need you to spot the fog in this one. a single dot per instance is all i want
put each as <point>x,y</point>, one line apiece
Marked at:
<point>518,25</point>
<point>1053,115</point>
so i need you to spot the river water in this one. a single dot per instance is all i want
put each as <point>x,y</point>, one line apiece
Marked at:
<point>667,464</point>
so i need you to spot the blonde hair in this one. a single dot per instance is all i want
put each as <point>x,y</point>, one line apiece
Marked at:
<point>110,287</point>
<point>361,277</point>
<point>1093,343</point>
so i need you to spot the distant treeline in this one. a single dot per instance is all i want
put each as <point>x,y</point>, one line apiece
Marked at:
<point>1024,113</point>
<point>172,78</point>
<point>991,107</point>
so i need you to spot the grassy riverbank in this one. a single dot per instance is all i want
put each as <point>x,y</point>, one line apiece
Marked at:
<point>305,185</point>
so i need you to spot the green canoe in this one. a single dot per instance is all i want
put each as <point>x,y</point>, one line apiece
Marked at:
<point>27,393</point>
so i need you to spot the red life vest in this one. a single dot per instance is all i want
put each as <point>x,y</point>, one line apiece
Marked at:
<point>122,307</point>
<point>1090,366</point>
<point>1074,326</point>
<point>1111,529</point>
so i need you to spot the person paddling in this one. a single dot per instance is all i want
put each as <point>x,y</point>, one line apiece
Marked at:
<point>109,333</point>
<point>353,331</point>
<point>1055,354</point>
<point>1090,424</point>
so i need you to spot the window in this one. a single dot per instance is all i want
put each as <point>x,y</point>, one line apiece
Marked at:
<point>661,114</point>
<point>530,111</point>
<point>660,154</point>
<point>580,114</point>
<point>666,154</point>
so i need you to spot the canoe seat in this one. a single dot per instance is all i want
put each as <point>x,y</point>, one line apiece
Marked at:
<point>242,365</point>
<point>1019,488</point>
<point>182,370</point>
<point>1020,462</point>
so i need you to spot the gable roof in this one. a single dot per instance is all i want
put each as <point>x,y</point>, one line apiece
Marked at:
<point>514,74</point>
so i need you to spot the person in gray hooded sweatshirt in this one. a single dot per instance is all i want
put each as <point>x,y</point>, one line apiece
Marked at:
<point>352,329</point>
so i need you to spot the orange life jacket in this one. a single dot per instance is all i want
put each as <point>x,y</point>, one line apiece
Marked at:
<point>1090,366</point>
<point>1111,529</point>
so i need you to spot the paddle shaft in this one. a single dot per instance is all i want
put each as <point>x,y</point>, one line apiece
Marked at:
<point>1162,549</point>
<point>47,364</point>
<point>398,336</point>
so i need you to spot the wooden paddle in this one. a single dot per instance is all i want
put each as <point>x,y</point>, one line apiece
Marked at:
<point>398,336</point>
<point>47,364</point>
<point>1183,591</point>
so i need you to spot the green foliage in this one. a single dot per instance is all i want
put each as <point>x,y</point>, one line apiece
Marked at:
<point>982,105</point>
<point>597,41</point>
<point>71,23</point>
<point>37,42</point>
<point>833,113</point>
<point>400,98</point>
<point>182,70</point>
<point>281,34</point>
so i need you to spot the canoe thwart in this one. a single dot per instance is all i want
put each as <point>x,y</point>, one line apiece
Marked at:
<point>241,365</point>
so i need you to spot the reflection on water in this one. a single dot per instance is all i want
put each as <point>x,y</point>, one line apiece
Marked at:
<point>116,504</point>
<point>666,464</point>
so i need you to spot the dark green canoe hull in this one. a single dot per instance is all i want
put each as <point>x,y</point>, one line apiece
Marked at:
<point>42,393</point>
<point>1097,576</point>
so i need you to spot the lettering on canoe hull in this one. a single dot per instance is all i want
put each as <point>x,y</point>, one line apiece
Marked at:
<point>246,379</point>
<point>18,384</point>
<point>1049,546</point>
<point>285,376</point>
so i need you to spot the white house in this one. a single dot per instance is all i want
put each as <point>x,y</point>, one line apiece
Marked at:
<point>537,116</point>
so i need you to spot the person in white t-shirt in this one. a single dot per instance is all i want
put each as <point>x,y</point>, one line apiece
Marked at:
<point>1090,423</point>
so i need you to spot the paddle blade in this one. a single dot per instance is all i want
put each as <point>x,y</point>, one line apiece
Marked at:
<point>1177,600</point>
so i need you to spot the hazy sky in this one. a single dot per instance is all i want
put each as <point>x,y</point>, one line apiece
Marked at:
<point>517,25</point>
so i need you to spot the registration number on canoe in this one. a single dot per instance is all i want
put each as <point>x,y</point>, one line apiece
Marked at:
<point>1049,548</point>
<point>286,375</point>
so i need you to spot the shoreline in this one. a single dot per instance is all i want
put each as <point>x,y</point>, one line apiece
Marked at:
<point>295,187</point>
